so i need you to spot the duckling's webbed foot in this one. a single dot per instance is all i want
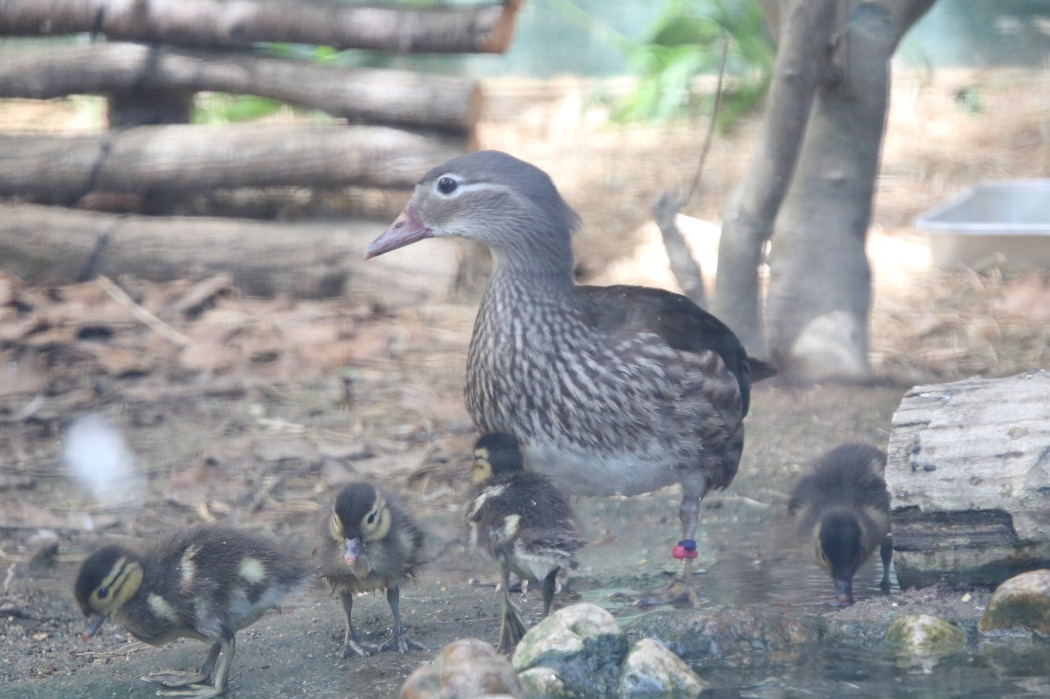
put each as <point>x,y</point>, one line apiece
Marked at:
<point>401,642</point>
<point>228,646</point>
<point>512,626</point>
<point>398,639</point>
<point>176,678</point>
<point>192,691</point>
<point>352,647</point>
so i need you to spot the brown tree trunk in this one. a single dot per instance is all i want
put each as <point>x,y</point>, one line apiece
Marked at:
<point>187,159</point>
<point>820,283</point>
<point>811,182</point>
<point>752,208</point>
<point>217,23</point>
<point>390,97</point>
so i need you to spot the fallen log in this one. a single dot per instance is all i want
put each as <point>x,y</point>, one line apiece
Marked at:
<point>969,474</point>
<point>221,24</point>
<point>386,97</point>
<point>182,159</point>
<point>48,245</point>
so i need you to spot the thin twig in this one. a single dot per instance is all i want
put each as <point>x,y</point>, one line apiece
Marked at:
<point>711,124</point>
<point>141,314</point>
<point>685,269</point>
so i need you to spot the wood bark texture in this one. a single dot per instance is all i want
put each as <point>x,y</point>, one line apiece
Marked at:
<point>221,24</point>
<point>185,159</point>
<point>385,97</point>
<point>48,245</point>
<point>969,474</point>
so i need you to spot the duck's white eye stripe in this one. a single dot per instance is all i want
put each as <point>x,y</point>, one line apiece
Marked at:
<point>451,192</point>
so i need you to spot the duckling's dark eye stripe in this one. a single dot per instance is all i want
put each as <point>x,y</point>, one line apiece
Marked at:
<point>116,578</point>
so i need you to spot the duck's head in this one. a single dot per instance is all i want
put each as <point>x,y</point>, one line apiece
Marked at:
<point>360,516</point>
<point>495,454</point>
<point>839,550</point>
<point>108,578</point>
<point>490,197</point>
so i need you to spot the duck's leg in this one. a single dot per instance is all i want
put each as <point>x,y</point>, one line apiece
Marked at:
<point>174,678</point>
<point>886,552</point>
<point>511,624</point>
<point>680,592</point>
<point>351,646</point>
<point>398,639</point>
<point>228,646</point>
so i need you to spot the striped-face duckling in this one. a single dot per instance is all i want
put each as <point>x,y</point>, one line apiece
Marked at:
<point>205,583</point>
<point>370,543</point>
<point>843,508</point>
<point>521,520</point>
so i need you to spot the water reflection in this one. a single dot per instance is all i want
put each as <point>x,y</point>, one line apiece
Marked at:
<point>748,553</point>
<point>751,557</point>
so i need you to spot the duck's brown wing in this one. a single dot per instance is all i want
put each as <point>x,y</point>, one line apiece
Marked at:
<point>678,321</point>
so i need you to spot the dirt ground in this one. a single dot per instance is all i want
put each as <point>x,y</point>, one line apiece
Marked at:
<point>254,412</point>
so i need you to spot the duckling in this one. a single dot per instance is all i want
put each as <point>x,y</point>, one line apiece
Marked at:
<point>370,543</point>
<point>522,521</point>
<point>844,507</point>
<point>205,582</point>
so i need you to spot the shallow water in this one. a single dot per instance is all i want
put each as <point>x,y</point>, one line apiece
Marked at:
<point>749,556</point>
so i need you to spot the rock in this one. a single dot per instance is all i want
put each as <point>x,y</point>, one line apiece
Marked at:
<point>653,670</point>
<point>467,668</point>
<point>1022,601</point>
<point>968,471</point>
<point>923,639</point>
<point>543,682</point>
<point>716,633</point>
<point>582,644</point>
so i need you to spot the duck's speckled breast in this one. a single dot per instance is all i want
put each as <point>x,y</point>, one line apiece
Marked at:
<point>598,415</point>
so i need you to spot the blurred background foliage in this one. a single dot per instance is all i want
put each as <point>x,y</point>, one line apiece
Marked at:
<point>685,42</point>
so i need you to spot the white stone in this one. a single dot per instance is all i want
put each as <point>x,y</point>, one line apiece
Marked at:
<point>653,670</point>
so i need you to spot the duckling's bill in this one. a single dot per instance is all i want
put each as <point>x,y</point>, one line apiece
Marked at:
<point>351,550</point>
<point>92,623</point>
<point>844,590</point>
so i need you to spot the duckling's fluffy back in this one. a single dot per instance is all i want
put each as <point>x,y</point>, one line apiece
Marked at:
<point>521,517</point>
<point>846,483</point>
<point>203,582</point>
<point>847,477</point>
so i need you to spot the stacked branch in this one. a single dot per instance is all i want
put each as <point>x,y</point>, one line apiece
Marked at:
<point>183,159</point>
<point>401,124</point>
<point>51,245</point>
<point>221,24</point>
<point>390,97</point>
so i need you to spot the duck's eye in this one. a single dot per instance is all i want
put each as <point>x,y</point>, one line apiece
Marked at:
<point>102,593</point>
<point>371,518</point>
<point>447,185</point>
